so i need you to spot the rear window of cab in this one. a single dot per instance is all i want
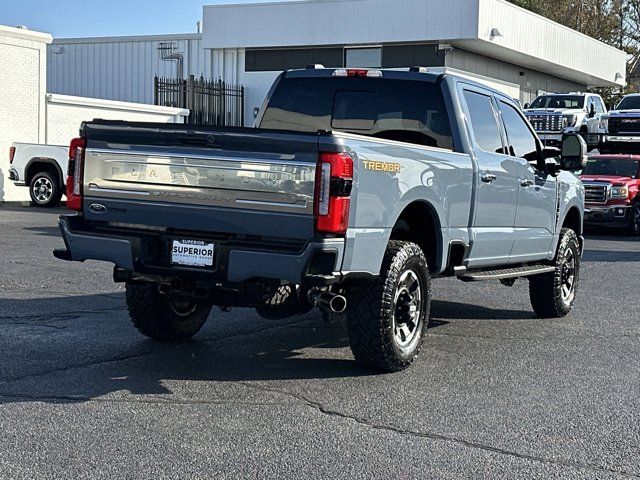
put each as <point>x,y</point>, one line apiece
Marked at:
<point>402,110</point>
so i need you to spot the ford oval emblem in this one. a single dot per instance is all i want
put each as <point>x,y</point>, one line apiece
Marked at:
<point>97,208</point>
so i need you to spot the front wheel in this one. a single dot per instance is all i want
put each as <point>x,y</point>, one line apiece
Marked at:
<point>162,318</point>
<point>552,294</point>
<point>387,317</point>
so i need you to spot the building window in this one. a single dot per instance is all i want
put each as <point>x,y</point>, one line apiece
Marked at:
<point>404,56</point>
<point>363,57</point>
<point>277,60</point>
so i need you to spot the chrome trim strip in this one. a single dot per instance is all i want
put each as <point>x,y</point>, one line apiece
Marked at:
<point>99,151</point>
<point>96,188</point>
<point>270,204</point>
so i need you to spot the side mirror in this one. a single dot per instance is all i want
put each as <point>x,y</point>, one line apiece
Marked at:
<point>592,111</point>
<point>574,152</point>
<point>527,106</point>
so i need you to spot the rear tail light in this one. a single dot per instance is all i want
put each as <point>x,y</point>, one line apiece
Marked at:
<point>334,180</point>
<point>74,174</point>
<point>12,154</point>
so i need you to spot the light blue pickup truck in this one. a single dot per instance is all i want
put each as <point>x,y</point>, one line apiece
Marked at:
<point>356,190</point>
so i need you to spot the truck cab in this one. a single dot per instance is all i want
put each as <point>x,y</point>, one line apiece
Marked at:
<point>556,114</point>
<point>612,191</point>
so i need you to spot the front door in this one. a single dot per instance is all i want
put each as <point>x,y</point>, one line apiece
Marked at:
<point>492,234</point>
<point>537,191</point>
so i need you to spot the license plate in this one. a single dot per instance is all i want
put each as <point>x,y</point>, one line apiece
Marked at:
<point>192,253</point>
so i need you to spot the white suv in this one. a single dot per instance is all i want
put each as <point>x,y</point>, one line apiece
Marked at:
<point>554,114</point>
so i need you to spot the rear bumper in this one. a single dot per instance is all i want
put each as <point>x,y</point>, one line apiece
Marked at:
<point>14,177</point>
<point>318,262</point>
<point>611,216</point>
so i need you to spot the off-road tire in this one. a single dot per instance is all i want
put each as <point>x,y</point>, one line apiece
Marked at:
<point>634,221</point>
<point>287,301</point>
<point>546,290</point>
<point>157,317</point>
<point>50,198</point>
<point>370,310</point>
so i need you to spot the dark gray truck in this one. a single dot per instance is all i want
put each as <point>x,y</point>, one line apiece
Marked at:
<point>356,190</point>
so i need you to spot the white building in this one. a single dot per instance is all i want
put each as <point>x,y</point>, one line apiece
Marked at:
<point>510,48</point>
<point>23,63</point>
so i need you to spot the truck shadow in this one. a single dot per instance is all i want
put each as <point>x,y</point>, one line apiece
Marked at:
<point>110,359</point>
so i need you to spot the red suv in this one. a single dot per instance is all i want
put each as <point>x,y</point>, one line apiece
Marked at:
<point>612,191</point>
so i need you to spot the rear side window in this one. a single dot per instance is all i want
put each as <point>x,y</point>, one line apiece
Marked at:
<point>522,142</point>
<point>483,122</point>
<point>403,110</point>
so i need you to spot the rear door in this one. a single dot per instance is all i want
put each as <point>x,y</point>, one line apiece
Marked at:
<point>496,196</point>
<point>537,198</point>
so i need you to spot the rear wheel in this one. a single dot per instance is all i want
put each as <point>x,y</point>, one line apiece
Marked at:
<point>552,294</point>
<point>387,317</point>
<point>162,318</point>
<point>45,190</point>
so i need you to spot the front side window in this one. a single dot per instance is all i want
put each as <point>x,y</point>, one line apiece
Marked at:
<point>599,105</point>
<point>483,122</point>
<point>522,142</point>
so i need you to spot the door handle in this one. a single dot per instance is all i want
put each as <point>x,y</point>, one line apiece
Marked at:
<point>526,183</point>
<point>488,177</point>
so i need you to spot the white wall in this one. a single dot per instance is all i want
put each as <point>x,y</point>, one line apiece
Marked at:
<point>22,86</point>
<point>66,113</point>
<point>120,68</point>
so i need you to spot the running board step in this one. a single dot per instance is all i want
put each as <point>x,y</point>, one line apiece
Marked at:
<point>504,273</point>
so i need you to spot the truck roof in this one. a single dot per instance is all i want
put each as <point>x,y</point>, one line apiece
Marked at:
<point>424,74</point>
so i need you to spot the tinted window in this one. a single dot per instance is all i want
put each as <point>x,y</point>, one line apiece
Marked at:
<point>354,111</point>
<point>611,167</point>
<point>558,101</point>
<point>631,102</point>
<point>483,122</point>
<point>402,110</point>
<point>522,143</point>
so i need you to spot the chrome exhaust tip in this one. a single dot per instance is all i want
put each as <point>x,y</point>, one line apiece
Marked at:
<point>328,301</point>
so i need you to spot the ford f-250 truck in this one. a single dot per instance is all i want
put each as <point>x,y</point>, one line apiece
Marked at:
<point>357,188</point>
<point>612,191</point>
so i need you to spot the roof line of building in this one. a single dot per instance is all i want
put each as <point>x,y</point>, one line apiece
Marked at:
<point>25,34</point>
<point>564,27</point>
<point>131,38</point>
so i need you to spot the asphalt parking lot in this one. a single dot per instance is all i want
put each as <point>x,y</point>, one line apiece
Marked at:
<point>496,393</point>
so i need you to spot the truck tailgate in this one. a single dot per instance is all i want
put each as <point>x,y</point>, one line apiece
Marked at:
<point>236,181</point>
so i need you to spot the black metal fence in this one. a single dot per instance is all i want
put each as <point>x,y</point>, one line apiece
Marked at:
<point>210,102</point>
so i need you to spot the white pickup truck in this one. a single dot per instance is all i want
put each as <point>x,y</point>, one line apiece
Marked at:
<point>42,168</point>
<point>555,114</point>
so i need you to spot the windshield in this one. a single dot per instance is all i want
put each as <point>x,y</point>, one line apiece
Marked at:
<point>629,103</point>
<point>558,101</point>
<point>611,168</point>
<point>403,110</point>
